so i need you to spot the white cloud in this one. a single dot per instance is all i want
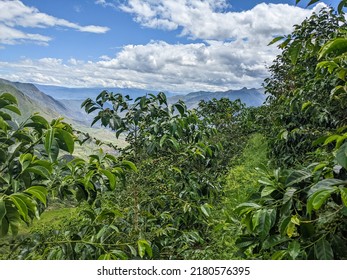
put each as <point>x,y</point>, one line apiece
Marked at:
<point>157,65</point>
<point>210,20</point>
<point>14,15</point>
<point>233,53</point>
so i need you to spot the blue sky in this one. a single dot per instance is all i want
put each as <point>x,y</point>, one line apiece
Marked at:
<point>167,45</point>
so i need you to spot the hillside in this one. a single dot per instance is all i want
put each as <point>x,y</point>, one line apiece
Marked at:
<point>251,97</point>
<point>31,100</point>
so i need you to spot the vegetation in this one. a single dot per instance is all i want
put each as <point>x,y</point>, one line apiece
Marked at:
<point>222,181</point>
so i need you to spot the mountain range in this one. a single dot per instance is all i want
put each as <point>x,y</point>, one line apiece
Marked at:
<point>53,102</point>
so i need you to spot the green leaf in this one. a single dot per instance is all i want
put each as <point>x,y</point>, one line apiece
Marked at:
<point>25,160</point>
<point>279,255</point>
<point>267,191</point>
<point>246,207</point>
<point>323,250</point>
<point>39,170</point>
<point>9,97</point>
<point>338,46</point>
<point>341,155</point>
<point>263,220</point>
<point>206,209</point>
<point>49,138</point>
<point>297,176</point>
<point>343,192</point>
<point>129,165</point>
<point>319,198</point>
<point>40,120</point>
<point>111,178</point>
<point>144,247</point>
<point>288,195</point>
<point>2,210</point>
<point>20,205</point>
<point>325,184</point>
<point>38,192</point>
<point>276,39</point>
<point>294,51</point>
<point>306,105</point>
<point>66,140</point>
<point>294,249</point>
<point>13,109</point>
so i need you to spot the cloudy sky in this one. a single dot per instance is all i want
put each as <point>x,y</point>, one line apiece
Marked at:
<point>166,45</point>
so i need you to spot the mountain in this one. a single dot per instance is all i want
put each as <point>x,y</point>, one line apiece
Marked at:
<point>31,100</point>
<point>251,97</point>
<point>67,93</point>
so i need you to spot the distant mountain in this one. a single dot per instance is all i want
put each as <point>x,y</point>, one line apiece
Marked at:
<point>251,97</point>
<point>83,93</point>
<point>31,100</point>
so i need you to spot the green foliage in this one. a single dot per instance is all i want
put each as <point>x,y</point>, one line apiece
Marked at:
<point>25,165</point>
<point>300,108</point>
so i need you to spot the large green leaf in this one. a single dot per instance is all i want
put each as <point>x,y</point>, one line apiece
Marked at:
<point>317,199</point>
<point>294,249</point>
<point>323,250</point>
<point>66,140</point>
<point>144,247</point>
<point>337,46</point>
<point>130,165</point>
<point>111,178</point>
<point>297,176</point>
<point>38,192</point>
<point>9,97</point>
<point>263,220</point>
<point>20,205</point>
<point>39,170</point>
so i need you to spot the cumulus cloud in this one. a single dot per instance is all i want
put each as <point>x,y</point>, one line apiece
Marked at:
<point>157,65</point>
<point>211,20</point>
<point>14,15</point>
<point>232,50</point>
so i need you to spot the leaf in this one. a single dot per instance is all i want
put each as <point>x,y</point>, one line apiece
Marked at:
<point>288,195</point>
<point>2,210</point>
<point>39,170</point>
<point>263,220</point>
<point>343,192</point>
<point>246,207</point>
<point>294,249</point>
<point>144,247</point>
<point>318,198</point>
<point>38,192</point>
<point>306,105</point>
<point>279,255</point>
<point>181,109</point>
<point>66,140</point>
<point>130,165</point>
<point>325,184</point>
<point>40,120</point>
<point>323,250</point>
<point>276,39</point>
<point>267,191</point>
<point>297,176</point>
<point>205,209</point>
<point>111,178</point>
<point>13,109</point>
<point>338,46</point>
<point>9,97</point>
<point>20,205</point>
<point>341,155</point>
<point>49,138</point>
<point>294,51</point>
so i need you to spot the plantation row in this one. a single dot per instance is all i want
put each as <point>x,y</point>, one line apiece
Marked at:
<point>222,181</point>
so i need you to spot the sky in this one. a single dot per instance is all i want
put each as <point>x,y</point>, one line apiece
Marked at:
<point>163,45</point>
